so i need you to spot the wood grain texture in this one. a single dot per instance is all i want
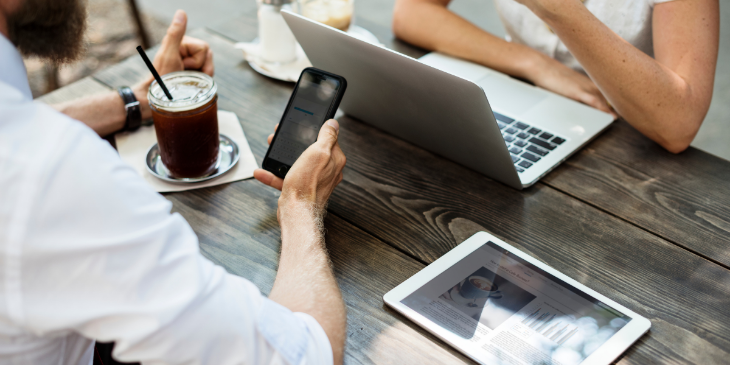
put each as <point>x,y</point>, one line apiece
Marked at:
<point>237,227</point>
<point>85,87</point>
<point>683,198</point>
<point>424,205</point>
<point>128,72</point>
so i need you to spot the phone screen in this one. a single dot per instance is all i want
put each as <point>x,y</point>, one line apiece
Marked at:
<point>304,117</point>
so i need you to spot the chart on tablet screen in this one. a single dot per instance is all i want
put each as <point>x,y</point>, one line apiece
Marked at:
<point>558,329</point>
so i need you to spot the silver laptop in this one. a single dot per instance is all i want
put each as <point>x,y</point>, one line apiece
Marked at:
<point>483,119</point>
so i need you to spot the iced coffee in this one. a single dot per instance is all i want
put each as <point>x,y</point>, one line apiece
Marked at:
<point>187,125</point>
<point>335,13</point>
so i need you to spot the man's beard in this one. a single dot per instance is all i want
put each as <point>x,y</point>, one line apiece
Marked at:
<point>50,29</point>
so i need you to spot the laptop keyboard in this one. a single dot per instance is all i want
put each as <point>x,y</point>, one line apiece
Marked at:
<point>526,144</point>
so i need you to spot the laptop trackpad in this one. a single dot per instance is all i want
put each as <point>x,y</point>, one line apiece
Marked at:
<point>510,96</point>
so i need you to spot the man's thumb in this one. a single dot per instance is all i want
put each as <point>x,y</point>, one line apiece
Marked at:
<point>176,31</point>
<point>328,133</point>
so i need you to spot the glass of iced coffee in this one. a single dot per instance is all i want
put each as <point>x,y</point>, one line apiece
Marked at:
<point>187,125</point>
<point>335,13</point>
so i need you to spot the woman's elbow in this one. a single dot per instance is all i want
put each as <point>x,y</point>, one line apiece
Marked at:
<point>675,147</point>
<point>678,139</point>
<point>677,129</point>
<point>673,128</point>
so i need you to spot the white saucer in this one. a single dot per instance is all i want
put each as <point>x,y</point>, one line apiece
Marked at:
<point>290,72</point>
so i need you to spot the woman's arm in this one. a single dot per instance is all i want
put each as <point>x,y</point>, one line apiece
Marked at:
<point>666,98</point>
<point>429,24</point>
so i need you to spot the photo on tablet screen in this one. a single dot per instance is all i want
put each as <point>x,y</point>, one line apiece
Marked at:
<point>512,312</point>
<point>487,297</point>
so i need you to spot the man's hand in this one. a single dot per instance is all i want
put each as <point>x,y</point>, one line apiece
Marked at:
<point>105,113</point>
<point>177,52</point>
<point>305,281</point>
<point>315,174</point>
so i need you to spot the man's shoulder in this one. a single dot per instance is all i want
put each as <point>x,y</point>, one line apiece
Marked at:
<point>39,146</point>
<point>62,170</point>
<point>48,144</point>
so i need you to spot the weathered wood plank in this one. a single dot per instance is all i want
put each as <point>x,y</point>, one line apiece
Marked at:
<point>243,29</point>
<point>683,198</point>
<point>81,88</point>
<point>128,72</point>
<point>237,227</point>
<point>425,205</point>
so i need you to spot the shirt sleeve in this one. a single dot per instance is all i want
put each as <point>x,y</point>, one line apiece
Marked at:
<point>104,257</point>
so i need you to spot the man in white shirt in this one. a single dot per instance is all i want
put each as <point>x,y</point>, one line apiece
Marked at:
<point>89,252</point>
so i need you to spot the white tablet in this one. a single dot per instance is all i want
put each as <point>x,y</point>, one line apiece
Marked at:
<point>498,305</point>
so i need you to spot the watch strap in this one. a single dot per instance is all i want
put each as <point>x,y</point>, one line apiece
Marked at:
<point>131,105</point>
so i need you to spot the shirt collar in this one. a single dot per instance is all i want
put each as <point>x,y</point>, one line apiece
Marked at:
<point>12,68</point>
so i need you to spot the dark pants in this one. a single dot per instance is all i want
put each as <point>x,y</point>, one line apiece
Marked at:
<point>103,355</point>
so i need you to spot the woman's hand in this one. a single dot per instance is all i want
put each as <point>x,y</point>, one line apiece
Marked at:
<point>558,78</point>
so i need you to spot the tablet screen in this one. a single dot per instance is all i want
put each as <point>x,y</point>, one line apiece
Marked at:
<point>509,311</point>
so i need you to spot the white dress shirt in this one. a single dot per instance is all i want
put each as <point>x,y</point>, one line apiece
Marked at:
<point>89,252</point>
<point>630,19</point>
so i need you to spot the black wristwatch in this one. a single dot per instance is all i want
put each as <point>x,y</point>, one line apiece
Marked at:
<point>131,105</point>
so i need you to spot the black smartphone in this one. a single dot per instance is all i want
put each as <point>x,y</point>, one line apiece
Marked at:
<point>314,101</point>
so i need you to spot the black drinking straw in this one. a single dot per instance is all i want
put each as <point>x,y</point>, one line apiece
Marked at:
<point>154,72</point>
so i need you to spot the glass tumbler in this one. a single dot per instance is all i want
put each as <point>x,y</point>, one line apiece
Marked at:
<point>187,125</point>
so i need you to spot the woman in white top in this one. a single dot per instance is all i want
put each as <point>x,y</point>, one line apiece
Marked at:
<point>650,61</point>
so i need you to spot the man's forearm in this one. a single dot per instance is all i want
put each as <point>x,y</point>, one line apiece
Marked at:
<point>429,24</point>
<point>105,113</point>
<point>305,282</point>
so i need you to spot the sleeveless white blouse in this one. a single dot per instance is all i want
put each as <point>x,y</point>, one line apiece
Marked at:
<point>630,19</point>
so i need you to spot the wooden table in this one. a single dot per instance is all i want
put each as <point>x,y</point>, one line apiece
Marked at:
<point>649,229</point>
